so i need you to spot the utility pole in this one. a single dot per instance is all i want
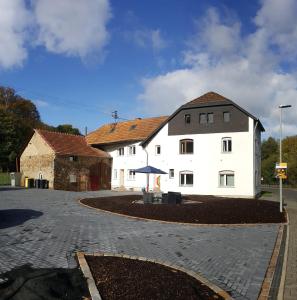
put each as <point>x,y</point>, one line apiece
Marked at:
<point>280,157</point>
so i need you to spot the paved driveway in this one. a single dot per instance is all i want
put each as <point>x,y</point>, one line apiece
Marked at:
<point>46,227</point>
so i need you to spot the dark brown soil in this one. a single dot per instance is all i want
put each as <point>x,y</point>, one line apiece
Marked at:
<point>128,279</point>
<point>204,210</point>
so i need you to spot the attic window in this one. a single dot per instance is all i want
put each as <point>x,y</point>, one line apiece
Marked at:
<point>132,127</point>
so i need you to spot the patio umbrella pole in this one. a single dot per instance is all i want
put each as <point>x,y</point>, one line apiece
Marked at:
<point>147,181</point>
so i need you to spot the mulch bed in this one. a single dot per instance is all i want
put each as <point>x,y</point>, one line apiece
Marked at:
<point>121,278</point>
<point>206,210</point>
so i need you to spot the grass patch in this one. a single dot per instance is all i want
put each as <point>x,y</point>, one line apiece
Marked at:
<point>4,179</point>
<point>266,193</point>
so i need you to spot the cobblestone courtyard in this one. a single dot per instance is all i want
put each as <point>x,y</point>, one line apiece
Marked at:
<point>52,226</point>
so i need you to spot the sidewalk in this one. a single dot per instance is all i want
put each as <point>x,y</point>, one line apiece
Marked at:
<point>290,292</point>
<point>290,198</point>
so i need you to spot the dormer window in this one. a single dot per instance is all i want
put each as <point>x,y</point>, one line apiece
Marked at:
<point>226,116</point>
<point>187,118</point>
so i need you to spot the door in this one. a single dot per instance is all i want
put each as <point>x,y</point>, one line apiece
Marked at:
<point>122,178</point>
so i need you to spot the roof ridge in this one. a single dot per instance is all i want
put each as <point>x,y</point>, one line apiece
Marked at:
<point>59,132</point>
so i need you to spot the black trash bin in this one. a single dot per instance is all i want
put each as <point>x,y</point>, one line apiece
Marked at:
<point>171,198</point>
<point>30,183</point>
<point>37,183</point>
<point>164,198</point>
<point>44,184</point>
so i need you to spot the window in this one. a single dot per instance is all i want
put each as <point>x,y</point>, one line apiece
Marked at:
<point>121,151</point>
<point>132,150</point>
<point>72,178</point>
<point>72,158</point>
<point>186,146</point>
<point>171,173</point>
<point>202,118</point>
<point>186,178</point>
<point>187,118</point>
<point>226,144</point>
<point>158,150</point>
<point>210,118</point>
<point>226,179</point>
<point>131,174</point>
<point>226,115</point>
<point>115,174</point>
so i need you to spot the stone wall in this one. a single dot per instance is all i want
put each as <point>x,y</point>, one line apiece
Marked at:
<point>37,166</point>
<point>84,173</point>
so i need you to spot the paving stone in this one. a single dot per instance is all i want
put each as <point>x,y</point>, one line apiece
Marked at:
<point>234,258</point>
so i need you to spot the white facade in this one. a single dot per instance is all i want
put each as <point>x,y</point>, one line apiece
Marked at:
<point>222,164</point>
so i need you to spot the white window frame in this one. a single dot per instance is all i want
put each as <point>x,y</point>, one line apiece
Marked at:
<point>225,113</point>
<point>226,145</point>
<point>184,174</point>
<point>224,174</point>
<point>132,150</point>
<point>115,174</point>
<point>121,151</point>
<point>131,174</point>
<point>181,147</point>
<point>72,178</point>
<point>171,173</point>
<point>156,149</point>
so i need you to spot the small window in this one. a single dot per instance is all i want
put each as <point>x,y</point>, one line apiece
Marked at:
<point>186,146</point>
<point>226,115</point>
<point>72,158</point>
<point>72,178</point>
<point>187,118</point>
<point>132,150</point>
<point>158,150</point>
<point>226,144</point>
<point>202,118</point>
<point>226,179</point>
<point>115,174</point>
<point>131,174</point>
<point>121,151</point>
<point>171,173</point>
<point>186,178</point>
<point>210,118</point>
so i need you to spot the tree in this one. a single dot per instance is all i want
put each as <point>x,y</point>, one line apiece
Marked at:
<point>289,147</point>
<point>67,128</point>
<point>269,150</point>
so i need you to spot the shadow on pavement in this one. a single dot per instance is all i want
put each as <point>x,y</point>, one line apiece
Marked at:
<point>43,284</point>
<point>10,188</point>
<point>14,217</point>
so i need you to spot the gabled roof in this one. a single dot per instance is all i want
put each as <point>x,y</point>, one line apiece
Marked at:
<point>69,144</point>
<point>208,99</point>
<point>134,130</point>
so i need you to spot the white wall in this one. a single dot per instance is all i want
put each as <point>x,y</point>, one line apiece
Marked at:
<point>125,163</point>
<point>206,162</point>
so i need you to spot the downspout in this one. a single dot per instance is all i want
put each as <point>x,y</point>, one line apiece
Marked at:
<point>254,159</point>
<point>147,175</point>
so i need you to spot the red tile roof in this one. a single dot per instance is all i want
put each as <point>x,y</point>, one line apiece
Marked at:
<point>134,130</point>
<point>208,98</point>
<point>69,144</point>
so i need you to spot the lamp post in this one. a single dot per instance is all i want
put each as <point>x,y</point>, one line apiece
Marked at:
<point>280,157</point>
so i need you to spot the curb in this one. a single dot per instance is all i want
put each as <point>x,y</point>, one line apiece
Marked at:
<point>267,282</point>
<point>203,280</point>
<point>181,223</point>
<point>88,275</point>
<point>281,289</point>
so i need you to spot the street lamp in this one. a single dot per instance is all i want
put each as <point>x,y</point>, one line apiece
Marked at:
<point>280,157</point>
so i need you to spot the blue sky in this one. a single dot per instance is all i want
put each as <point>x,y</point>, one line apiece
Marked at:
<point>80,60</point>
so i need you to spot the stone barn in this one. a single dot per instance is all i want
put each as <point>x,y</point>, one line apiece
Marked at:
<point>66,161</point>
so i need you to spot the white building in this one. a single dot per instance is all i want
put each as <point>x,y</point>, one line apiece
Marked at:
<point>209,146</point>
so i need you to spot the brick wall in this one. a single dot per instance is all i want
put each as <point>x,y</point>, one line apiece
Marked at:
<point>36,165</point>
<point>85,173</point>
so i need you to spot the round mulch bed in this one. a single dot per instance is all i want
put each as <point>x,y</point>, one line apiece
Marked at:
<point>122,278</point>
<point>206,210</point>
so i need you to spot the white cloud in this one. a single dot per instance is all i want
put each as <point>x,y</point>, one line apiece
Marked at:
<point>74,28</point>
<point>147,38</point>
<point>41,103</point>
<point>14,20</point>
<point>245,69</point>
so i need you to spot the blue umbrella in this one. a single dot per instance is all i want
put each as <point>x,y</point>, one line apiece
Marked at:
<point>149,170</point>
